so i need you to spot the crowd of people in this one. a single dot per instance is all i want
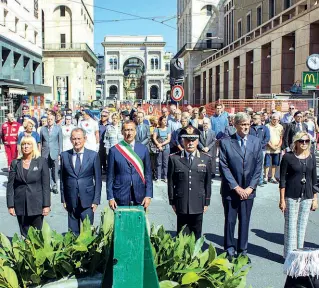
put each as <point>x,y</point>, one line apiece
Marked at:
<point>70,151</point>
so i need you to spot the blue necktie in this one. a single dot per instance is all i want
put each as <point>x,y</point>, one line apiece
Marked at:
<point>77,167</point>
<point>242,145</point>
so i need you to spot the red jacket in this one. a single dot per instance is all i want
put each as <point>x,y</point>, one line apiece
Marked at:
<point>9,132</point>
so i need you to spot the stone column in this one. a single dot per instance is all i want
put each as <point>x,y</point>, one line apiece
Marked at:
<point>242,77</point>
<point>302,49</point>
<point>276,65</point>
<point>257,71</point>
<point>231,79</point>
<point>161,92</point>
<point>221,80</point>
<point>146,93</point>
<point>214,83</point>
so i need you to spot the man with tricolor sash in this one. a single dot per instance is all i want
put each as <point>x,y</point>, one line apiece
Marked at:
<point>129,174</point>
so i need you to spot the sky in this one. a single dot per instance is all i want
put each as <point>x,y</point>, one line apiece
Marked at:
<point>159,10</point>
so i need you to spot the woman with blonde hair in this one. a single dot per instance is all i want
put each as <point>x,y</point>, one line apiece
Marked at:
<point>28,189</point>
<point>28,126</point>
<point>298,195</point>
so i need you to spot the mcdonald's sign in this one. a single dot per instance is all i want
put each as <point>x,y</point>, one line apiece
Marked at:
<point>310,80</point>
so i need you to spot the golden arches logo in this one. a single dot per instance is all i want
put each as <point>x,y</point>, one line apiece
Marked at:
<point>308,78</point>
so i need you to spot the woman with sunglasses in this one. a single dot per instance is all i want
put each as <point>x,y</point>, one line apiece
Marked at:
<point>298,177</point>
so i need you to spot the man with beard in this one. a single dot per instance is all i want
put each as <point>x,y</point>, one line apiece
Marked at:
<point>189,183</point>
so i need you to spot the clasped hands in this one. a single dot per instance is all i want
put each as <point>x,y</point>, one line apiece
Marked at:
<point>243,193</point>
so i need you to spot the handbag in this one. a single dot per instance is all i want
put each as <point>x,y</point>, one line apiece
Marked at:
<point>153,147</point>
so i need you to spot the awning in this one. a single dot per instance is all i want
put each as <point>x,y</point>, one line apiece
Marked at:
<point>18,91</point>
<point>38,89</point>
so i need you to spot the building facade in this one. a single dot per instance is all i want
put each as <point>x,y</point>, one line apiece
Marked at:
<point>69,60</point>
<point>266,48</point>
<point>200,32</point>
<point>100,77</point>
<point>136,68</point>
<point>21,52</point>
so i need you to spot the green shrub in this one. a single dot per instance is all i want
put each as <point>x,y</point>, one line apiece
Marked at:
<point>181,262</point>
<point>47,255</point>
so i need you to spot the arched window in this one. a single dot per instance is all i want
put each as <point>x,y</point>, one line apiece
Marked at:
<point>113,91</point>
<point>154,63</point>
<point>113,63</point>
<point>154,92</point>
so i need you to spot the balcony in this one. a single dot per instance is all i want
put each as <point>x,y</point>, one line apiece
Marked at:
<point>70,47</point>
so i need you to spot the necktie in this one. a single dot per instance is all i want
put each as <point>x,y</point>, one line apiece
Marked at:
<point>205,135</point>
<point>77,167</point>
<point>242,145</point>
<point>300,127</point>
<point>190,160</point>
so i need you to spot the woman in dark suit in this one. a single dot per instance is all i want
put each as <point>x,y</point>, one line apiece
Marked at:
<point>28,189</point>
<point>298,177</point>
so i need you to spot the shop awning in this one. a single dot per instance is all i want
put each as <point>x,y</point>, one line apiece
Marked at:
<point>38,89</point>
<point>18,91</point>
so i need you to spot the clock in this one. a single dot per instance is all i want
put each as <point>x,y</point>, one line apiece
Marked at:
<point>313,62</point>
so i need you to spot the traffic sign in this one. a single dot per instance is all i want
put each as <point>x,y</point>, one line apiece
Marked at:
<point>310,80</point>
<point>177,93</point>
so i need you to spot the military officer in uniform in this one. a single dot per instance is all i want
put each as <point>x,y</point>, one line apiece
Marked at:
<point>189,183</point>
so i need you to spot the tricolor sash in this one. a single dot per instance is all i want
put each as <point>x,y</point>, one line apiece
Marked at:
<point>129,154</point>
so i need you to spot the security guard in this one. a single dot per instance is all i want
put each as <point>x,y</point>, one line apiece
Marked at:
<point>189,183</point>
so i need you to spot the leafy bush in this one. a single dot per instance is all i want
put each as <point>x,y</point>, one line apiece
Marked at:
<point>181,262</point>
<point>47,255</point>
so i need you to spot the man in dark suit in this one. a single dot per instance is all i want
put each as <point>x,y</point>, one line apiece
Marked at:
<point>240,162</point>
<point>129,174</point>
<point>291,130</point>
<point>207,143</point>
<point>143,133</point>
<point>80,181</point>
<point>189,183</point>
<point>51,147</point>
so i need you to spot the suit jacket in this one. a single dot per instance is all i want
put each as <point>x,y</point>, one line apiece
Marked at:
<point>86,186</point>
<point>237,168</point>
<point>143,134</point>
<point>51,144</point>
<point>121,175</point>
<point>189,187</point>
<point>291,131</point>
<point>210,140</point>
<point>29,195</point>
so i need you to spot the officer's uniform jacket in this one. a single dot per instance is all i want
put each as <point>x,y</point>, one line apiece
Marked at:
<point>189,188</point>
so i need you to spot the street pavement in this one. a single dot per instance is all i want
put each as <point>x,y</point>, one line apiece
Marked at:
<point>266,229</point>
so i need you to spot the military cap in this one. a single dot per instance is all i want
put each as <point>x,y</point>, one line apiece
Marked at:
<point>190,132</point>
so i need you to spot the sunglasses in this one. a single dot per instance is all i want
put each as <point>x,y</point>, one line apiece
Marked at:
<point>302,141</point>
<point>104,115</point>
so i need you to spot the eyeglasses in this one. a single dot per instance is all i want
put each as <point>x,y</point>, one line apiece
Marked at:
<point>303,141</point>
<point>104,115</point>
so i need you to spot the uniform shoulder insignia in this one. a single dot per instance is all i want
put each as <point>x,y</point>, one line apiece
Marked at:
<point>210,156</point>
<point>174,153</point>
